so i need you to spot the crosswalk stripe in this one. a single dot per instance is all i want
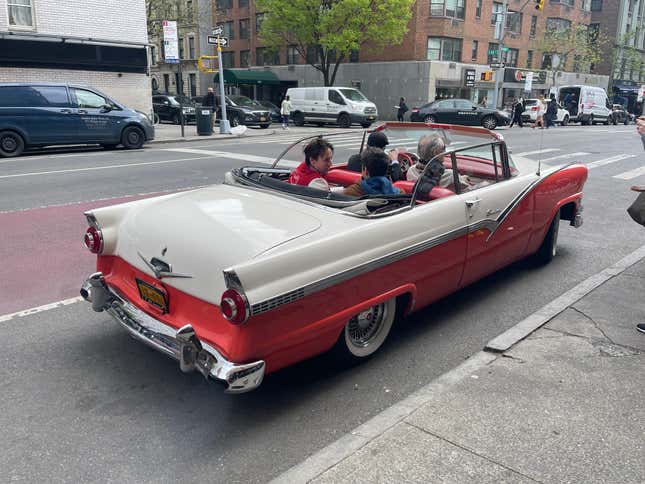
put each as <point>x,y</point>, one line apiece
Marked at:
<point>607,161</point>
<point>628,175</point>
<point>527,153</point>
<point>568,155</point>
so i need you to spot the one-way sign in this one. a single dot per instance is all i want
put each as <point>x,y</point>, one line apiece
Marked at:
<point>218,31</point>
<point>214,40</point>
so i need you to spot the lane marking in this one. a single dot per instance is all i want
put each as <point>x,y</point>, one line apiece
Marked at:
<point>99,152</point>
<point>536,152</point>
<point>568,155</point>
<point>46,307</point>
<point>607,161</point>
<point>93,168</point>
<point>628,175</point>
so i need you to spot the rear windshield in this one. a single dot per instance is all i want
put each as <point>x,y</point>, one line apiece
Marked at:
<point>34,96</point>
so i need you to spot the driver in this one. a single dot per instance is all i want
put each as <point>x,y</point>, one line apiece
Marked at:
<point>313,171</point>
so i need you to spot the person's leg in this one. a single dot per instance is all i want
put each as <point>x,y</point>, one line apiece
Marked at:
<point>286,121</point>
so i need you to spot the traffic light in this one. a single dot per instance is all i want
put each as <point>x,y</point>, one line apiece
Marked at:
<point>487,76</point>
<point>539,4</point>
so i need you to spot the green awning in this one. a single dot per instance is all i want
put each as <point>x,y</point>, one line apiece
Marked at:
<point>242,76</point>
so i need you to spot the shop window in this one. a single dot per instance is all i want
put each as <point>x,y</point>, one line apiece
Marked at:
<point>244,28</point>
<point>444,48</point>
<point>244,58</point>
<point>20,13</point>
<point>447,8</point>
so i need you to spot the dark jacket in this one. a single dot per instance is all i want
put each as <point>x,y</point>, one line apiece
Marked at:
<point>403,108</point>
<point>209,99</point>
<point>552,109</point>
<point>354,164</point>
<point>430,179</point>
<point>518,109</point>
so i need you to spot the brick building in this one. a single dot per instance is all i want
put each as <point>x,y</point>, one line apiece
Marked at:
<point>90,42</point>
<point>450,36</point>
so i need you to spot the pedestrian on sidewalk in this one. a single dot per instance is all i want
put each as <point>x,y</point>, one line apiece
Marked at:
<point>539,117</point>
<point>402,109</point>
<point>518,109</point>
<point>285,111</point>
<point>209,98</point>
<point>640,126</point>
<point>551,112</point>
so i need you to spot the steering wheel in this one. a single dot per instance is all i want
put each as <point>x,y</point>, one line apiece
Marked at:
<point>406,160</point>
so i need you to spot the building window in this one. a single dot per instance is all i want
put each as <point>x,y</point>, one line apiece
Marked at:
<point>153,54</point>
<point>511,57</point>
<point>565,2</point>
<point>594,30</point>
<point>258,21</point>
<point>189,8</point>
<point>557,24</point>
<point>529,59</point>
<point>444,48</point>
<point>497,9</point>
<point>244,58</point>
<point>292,55</point>
<point>259,56</point>
<point>191,47</point>
<point>447,8</point>
<point>228,61</point>
<point>353,56</point>
<point>596,5</point>
<point>312,55</point>
<point>166,83</point>
<point>533,26</point>
<point>243,4</point>
<point>228,30</point>
<point>514,22</point>
<point>20,13</point>
<point>493,54</point>
<point>192,84</point>
<point>181,48</point>
<point>224,4</point>
<point>473,54</point>
<point>244,28</point>
<point>272,57</point>
<point>478,9</point>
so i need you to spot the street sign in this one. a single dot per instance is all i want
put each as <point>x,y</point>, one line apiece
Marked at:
<point>528,82</point>
<point>222,41</point>
<point>497,65</point>
<point>218,31</point>
<point>170,44</point>
<point>470,77</point>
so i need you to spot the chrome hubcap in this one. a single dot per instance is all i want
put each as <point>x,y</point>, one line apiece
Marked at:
<point>365,326</point>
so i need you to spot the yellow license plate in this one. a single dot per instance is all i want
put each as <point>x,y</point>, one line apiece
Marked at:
<point>154,296</point>
<point>370,117</point>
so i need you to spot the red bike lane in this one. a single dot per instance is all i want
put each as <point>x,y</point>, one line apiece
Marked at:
<point>43,258</point>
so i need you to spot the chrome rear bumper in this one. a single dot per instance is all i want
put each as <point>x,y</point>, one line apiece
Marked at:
<point>182,345</point>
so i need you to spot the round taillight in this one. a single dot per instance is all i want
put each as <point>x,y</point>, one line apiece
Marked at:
<point>233,306</point>
<point>93,240</point>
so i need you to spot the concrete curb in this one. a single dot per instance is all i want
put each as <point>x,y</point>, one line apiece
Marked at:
<point>347,445</point>
<point>268,132</point>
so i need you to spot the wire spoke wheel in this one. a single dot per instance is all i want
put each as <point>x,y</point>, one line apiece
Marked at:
<point>366,332</point>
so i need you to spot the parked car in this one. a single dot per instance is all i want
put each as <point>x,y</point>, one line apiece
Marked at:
<point>620,115</point>
<point>338,105</point>
<point>587,104</point>
<point>459,111</point>
<point>43,114</point>
<point>244,110</point>
<point>273,109</point>
<point>168,108</point>
<point>241,279</point>
<point>531,108</point>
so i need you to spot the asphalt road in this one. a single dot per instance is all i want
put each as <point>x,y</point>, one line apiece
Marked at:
<point>83,402</point>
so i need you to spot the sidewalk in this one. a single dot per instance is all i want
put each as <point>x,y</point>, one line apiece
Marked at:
<point>563,405</point>
<point>171,133</point>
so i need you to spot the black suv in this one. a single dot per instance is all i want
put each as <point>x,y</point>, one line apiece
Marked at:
<point>166,106</point>
<point>243,110</point>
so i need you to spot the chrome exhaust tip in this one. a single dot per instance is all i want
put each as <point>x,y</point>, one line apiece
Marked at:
<point>94,291</point>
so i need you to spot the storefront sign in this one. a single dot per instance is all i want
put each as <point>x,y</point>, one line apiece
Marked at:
<point>170,44</point>
<point>469,77</point>
<point>528,83</point>
<point>519,75</point>
<point>641,93</point>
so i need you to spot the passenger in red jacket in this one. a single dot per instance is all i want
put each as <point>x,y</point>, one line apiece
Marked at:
<point>313,171</point>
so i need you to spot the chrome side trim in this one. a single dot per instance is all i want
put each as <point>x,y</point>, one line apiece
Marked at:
<point>182,345</point>
<point>276,301</point>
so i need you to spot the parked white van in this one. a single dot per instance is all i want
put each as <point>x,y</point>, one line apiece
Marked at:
<point>320,105</point>
<point>586,104</point>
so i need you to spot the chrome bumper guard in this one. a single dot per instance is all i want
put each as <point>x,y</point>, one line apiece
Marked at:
<point>182,345</point>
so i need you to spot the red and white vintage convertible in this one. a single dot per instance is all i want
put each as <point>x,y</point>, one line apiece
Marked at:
<point>241,279</point>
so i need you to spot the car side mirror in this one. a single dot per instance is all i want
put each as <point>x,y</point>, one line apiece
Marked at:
<point>106,108</point>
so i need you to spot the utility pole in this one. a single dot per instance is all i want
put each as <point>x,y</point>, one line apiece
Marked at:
<point>224,127</point>
<point>499,73</point>
<point>180,79</point>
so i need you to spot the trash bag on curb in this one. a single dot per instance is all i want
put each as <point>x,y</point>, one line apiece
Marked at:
<point>238,130</point>
<point>637,209</point>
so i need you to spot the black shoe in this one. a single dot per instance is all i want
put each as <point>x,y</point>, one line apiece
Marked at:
<point>640,327</point>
